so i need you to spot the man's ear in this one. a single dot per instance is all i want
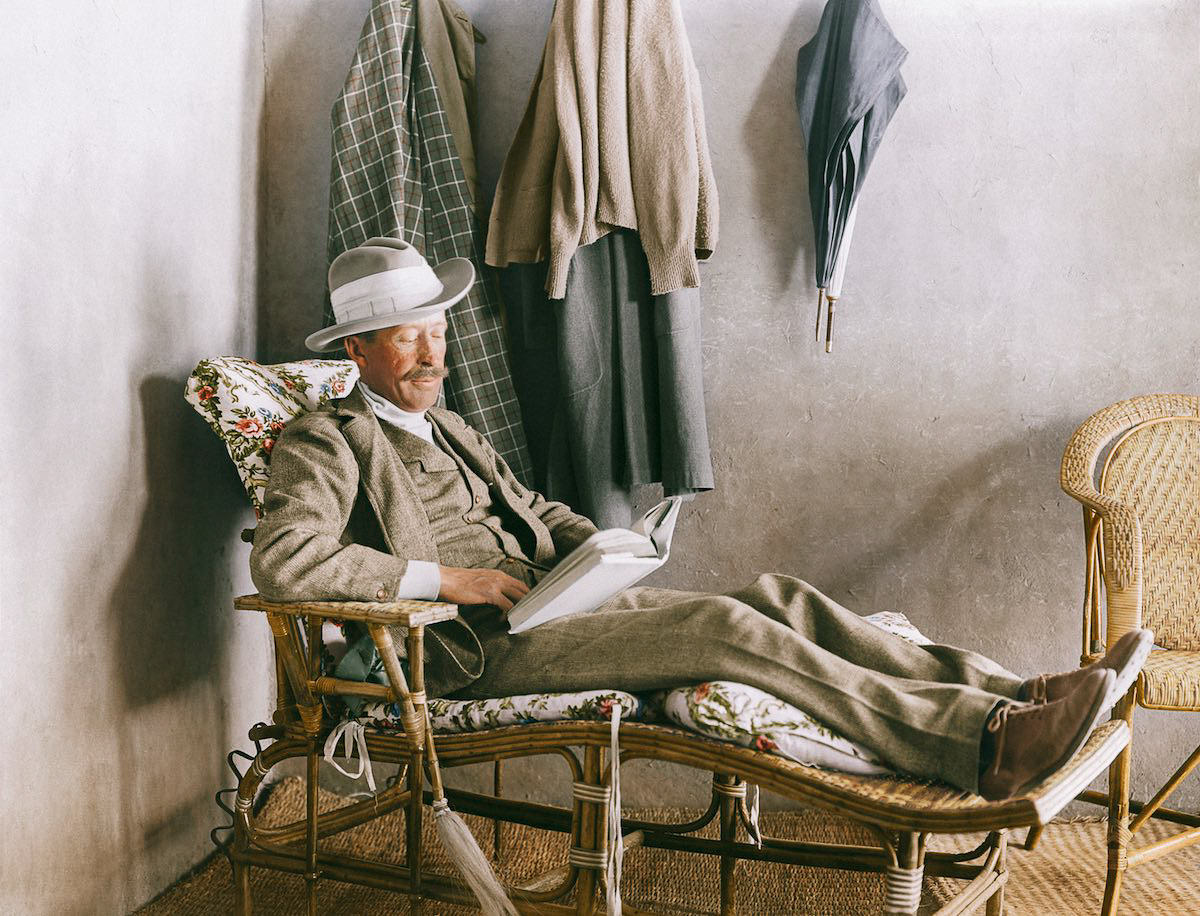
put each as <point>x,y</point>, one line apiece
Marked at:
<point>354,350</point>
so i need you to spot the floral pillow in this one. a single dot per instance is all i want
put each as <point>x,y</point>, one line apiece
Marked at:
<point>477,715</point>
<point>248,404</point>
<point>752,718</point>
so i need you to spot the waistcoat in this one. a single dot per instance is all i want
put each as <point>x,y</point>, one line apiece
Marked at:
<point>469,529</point>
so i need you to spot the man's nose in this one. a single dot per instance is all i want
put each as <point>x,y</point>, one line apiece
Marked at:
<point>425,350</point>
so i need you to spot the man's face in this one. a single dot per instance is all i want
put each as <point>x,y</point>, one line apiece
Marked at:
<point>405,364</point>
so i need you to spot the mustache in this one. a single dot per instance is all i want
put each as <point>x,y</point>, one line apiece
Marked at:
<point>425,372</point>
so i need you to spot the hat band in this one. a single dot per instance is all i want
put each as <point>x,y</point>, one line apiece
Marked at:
<point>386,292</point>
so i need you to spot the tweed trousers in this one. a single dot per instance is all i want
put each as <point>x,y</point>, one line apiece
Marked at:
<point>920,708</point>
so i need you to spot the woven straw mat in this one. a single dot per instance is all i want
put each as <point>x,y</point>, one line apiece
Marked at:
<point>1065,875</point>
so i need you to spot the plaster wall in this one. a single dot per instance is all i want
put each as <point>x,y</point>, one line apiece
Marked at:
<point>128,250</point>
<point>1026,252</point>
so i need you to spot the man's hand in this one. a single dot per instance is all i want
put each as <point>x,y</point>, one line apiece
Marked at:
<point>481,586</point>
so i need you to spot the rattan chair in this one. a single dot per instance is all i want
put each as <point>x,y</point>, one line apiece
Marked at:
<point>1141,524</point>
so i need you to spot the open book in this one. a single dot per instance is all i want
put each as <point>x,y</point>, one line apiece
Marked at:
<point>606,563</point>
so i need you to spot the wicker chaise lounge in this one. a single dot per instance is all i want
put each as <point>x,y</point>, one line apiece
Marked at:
<point>901,813</point>
<point>247,405</point>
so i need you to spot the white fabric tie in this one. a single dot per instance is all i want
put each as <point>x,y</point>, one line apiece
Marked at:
<point>353,734</point>
<point>616,845</point>
<point>752,826</point>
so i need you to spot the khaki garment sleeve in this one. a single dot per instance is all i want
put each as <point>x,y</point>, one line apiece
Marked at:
<point>519,225</point>
<point>448,39</point>
<point>300,550</point>
<point>664,159</point>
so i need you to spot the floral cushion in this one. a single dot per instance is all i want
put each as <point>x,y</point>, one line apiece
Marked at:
<point>248,404</point>
<point>750,717</point>
<point>477,715</point>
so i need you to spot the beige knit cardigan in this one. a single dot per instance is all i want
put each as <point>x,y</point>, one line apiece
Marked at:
<point>612,137</point>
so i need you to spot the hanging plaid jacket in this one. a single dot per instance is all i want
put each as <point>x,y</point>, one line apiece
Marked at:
<point>396,172</point>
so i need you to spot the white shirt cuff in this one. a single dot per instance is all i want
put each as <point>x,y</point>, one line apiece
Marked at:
<point>422,581</point>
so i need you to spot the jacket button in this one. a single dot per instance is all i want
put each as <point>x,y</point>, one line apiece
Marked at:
<point>478,500</point>
<point>381,594</point>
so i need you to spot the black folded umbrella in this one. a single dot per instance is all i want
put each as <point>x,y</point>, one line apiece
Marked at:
<point>848,86</point>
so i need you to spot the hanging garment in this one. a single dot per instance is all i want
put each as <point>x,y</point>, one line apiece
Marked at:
<point>612,137</point>
<point>396,172</point>
<point>447,38</point>
<point>610,381</point>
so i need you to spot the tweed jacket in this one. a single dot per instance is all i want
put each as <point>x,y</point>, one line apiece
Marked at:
<point>343,517</point>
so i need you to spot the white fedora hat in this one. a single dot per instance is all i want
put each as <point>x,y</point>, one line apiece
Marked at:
<point>385,282</point>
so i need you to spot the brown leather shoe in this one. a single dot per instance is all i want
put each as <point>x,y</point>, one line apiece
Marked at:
<point>1031,740</point>
<point>1125,658</point>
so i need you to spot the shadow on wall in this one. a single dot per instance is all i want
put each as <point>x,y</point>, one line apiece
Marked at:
<point>169,620</point>
<point>994,504</point>
<point>169,607</point>
<point>780,182</point>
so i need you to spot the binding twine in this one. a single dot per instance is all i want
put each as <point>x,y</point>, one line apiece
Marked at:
<point>616,847</point>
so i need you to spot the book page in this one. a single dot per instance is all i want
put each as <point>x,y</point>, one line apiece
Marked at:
<point>606,563</point>
<point>610,575</point>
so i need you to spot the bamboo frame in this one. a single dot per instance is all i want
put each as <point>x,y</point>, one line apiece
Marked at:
<point>1114,603</point>
<point>901,813</point>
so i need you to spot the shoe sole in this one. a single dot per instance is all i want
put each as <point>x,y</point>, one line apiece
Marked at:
<point>1126,675</point>
<point>1084,733</point>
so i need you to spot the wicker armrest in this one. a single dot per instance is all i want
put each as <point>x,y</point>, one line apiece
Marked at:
<point>1077,475</point>
<point>1123,533</point>
<point>392,613</point>
<point>379,616</point>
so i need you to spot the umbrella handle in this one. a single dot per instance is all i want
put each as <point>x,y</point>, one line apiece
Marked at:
<point>830,300</point>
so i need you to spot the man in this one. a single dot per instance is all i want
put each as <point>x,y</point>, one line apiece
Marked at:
<point>388,496</point>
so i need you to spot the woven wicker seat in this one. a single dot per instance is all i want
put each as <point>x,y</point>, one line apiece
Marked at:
<point>1141,522</point>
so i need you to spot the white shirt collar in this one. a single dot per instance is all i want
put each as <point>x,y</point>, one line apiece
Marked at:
<point>416,423</point>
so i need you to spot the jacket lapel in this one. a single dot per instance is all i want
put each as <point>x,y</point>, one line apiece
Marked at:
<point>460,439</point>
<point>466,447</point>
<point>386,482</point>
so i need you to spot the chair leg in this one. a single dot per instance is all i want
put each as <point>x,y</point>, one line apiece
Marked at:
<point>416,783</point>
<point>497,823</point>
<point>1118,814</point>
<point>995,903</point>
<point>722,785</point>
<point>312,875</point>
<point>1032,837</point>
<point>591,835</point>
<point>242,903</point>
<point>904,879</point>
